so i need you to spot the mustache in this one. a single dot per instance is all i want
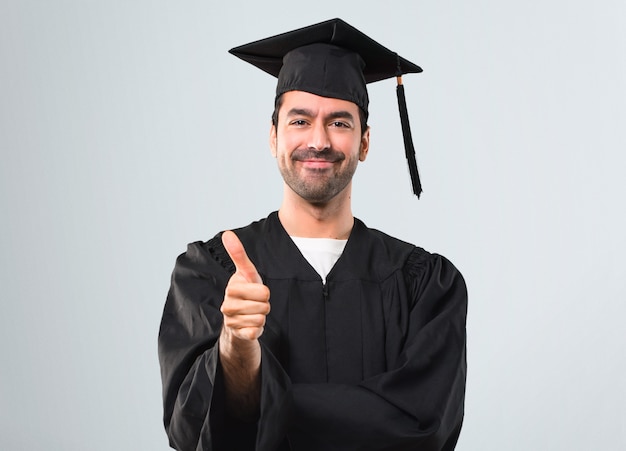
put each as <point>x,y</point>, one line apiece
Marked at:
<point>329,155</point>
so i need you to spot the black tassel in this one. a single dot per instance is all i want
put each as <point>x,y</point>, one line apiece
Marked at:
<point>408,139</point>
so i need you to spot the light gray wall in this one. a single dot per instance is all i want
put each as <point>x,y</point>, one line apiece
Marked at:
<point>127,131</point>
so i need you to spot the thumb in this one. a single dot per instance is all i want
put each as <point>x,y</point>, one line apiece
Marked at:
<point>240,258</point>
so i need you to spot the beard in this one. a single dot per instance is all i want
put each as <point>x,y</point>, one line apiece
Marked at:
<point>318,185</point>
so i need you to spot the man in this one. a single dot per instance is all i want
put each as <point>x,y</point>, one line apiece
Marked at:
<point>307,330</point>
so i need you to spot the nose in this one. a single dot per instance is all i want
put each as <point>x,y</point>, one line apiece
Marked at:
<point>318,137</point>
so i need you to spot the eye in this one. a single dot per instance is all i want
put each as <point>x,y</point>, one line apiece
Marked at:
<point>298,122</point>
<point>340,124</point>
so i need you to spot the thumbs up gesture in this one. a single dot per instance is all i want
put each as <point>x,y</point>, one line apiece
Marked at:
<point>246,299</point>
<point>246,304</point>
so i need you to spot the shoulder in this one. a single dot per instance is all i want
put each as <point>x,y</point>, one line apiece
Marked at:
<point>213,251</point>
<point>414,261</point>
<point>388,254</point>
<point>421,264</point>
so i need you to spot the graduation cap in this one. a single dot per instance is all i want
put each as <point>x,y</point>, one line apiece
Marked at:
<point>334,59</point>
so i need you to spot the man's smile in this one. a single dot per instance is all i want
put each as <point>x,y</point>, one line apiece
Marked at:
<point>316,159</point>
<point>317,163</point>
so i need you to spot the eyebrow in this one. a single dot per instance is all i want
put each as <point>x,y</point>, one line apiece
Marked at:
<point>341,115</point>
<point>300,112</point>
<point>308,113</point>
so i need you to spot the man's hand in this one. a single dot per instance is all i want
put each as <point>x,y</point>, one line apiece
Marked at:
<point>245,306</point>
<point>246,300</point>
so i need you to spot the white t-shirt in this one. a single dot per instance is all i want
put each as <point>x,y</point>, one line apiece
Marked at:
<point>321,253</point>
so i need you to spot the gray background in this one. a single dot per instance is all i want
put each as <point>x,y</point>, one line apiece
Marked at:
<point>127,131</point>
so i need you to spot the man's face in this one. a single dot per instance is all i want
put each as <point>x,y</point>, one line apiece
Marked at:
<point>317,143</point>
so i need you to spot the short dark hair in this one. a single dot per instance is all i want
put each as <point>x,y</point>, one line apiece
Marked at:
<point>279,102</point>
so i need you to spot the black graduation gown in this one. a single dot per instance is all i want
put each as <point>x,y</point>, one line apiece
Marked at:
<point>372,360</point>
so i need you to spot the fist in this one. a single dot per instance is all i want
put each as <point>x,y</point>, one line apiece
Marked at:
<point>246,299</point>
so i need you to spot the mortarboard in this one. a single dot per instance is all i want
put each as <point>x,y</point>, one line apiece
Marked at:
<point>333,59</point>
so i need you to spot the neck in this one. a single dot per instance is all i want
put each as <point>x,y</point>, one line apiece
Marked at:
<point>332,219</point>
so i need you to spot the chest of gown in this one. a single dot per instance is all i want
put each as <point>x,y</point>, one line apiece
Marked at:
<point>339,332</point>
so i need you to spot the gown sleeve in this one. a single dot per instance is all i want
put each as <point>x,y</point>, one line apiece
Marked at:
<point>418,404</point>
<point>195,417</point>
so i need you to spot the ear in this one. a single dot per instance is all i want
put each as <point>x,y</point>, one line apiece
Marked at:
<point>273,140</point>
<point>365,145</point>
